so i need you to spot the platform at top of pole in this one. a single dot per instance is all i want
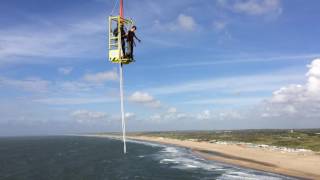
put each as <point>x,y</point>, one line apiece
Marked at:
<point>116,53</point>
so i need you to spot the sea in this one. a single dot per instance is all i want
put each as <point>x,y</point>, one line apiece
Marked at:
<point>97,158</point>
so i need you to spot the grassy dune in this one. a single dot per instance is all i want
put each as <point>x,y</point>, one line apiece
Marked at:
<point>298,139</point>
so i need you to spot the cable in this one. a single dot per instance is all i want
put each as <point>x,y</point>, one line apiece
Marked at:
<point>115,5</point>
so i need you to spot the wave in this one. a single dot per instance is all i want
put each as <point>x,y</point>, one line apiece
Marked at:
<point>183,159</point>
<point>145,143</point>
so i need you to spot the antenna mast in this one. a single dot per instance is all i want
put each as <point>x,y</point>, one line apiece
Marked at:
<point>121,9</point>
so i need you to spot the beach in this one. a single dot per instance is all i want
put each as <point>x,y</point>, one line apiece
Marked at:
<point>304,165</point>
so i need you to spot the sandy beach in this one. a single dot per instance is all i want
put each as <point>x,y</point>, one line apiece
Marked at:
<point>304,165</point>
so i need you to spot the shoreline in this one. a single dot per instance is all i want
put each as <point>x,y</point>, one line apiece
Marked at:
<point>292,164</point>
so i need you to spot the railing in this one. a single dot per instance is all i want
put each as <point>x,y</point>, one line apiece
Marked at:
<point>115,45</point>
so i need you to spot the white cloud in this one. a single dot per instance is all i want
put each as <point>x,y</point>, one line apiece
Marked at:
<point>167,117</point>
<point>129,115</point>
<point>85,116</point>
<point>49,40</point>
<point>32,84</point>
<point>206,114</point>
<point>172,110</point>
<point>292,106</point>
<point>186,22</point>
<point>65,70</point>
<point>230,101</point>
<point>75,86</point>
<point>219,25</point>
<point>101,77</point>
<point>74,100</point>
<point>295,105</point>
<point>238,60</point>
<point>181,23</point>
<point>63,92</point>
<point>313,84</point>
<point>194,120</point>
<point>284,94</point>
<point>220,115</point>
<point>300,100</point>
<point>258,7</point>
<point>155,104</point>
<point>141,97</point>
<point>155,118</point>
<point>247,83</point>
<point>253,7</point>
<point>144,98</point>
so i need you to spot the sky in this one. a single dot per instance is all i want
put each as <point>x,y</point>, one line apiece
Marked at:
<point>201,65</point>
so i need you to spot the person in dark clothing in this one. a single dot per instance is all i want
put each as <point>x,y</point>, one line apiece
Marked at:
<point>123,37</point>
<point>123,40</point>
<point>130,40</point>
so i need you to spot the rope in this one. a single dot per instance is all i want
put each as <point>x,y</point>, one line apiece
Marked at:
<point>115,5</point>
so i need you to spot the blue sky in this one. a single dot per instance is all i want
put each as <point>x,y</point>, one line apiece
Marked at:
<point>224,64</point>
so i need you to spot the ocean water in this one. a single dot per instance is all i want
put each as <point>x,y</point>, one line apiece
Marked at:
<point>93,158</point>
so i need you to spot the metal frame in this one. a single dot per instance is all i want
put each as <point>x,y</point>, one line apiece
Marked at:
<point>115,47</point>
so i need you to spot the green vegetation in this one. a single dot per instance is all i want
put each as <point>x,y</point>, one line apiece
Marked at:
<point>298,139</point>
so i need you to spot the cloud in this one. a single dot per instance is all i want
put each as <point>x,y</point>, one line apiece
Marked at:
<point>27,44</point>
<point>186,22</point>
<point>230,101</point>
<point>155,118</point>
<point>294,105</point>
<point>74,100</point>
<point>238,60</point>
<point>220,25</point>
<point>141,97</point>
<point>24,117</point>
<point>313,75</point>
<point>296,99</point>
<point>65,70</point>
<point>291,106</point>
<point>32,84</point>
<point>258,7</point>
<point>101,77</point>
<point>197,120</point>
<point>245,83</point>
<point>85,116</point>
<point>75,86</point>
<point>145,99</point>
<point>89,81</point>
<point>86,83</point>
<point>172,110</point>
<point>183,23</point>
<point>206,114</point>
<point>129,115</point>
<point>253,7</point>
<point>61,92</point>
<point>220,115</point>
<point>171,115</point>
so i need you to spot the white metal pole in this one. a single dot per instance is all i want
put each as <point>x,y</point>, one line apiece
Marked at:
<point>122,110</point>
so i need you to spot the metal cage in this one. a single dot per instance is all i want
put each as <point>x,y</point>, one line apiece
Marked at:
<point>115,41</point>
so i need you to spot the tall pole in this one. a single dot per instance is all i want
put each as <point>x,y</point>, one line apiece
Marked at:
<point>122,110</point>
<point>121,92</point>
<point>121,9</point>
